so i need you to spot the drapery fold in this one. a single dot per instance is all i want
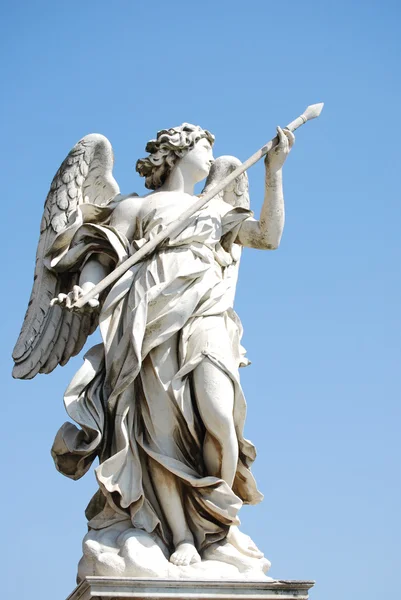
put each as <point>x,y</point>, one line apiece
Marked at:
<point>133,397</point>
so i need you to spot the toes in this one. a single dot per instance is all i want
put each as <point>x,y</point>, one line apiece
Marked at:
<point>174,559</point>
<point>184,559</point>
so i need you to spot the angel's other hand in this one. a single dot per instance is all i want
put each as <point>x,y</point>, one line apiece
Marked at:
<point>68,300</point>
<point>277,156</point>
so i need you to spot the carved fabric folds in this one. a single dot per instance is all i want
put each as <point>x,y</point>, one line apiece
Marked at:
<point>133,397</point>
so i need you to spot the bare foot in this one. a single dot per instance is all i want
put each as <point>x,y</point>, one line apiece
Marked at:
<point>185,554</point>
<point>243,543</point>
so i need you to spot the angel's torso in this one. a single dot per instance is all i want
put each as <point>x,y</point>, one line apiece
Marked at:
<point>139,218</point>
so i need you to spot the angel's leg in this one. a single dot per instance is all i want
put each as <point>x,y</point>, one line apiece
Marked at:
<point>158,370</point>
<point>170,498</point>
<point>214,393</point>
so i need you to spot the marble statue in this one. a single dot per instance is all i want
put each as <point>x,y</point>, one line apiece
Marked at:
<point>159,401</point>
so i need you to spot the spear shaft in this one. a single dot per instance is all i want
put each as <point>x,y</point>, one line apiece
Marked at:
<point>311,112</point>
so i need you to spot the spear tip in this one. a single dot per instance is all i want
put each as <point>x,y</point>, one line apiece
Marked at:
<point>313,111</point>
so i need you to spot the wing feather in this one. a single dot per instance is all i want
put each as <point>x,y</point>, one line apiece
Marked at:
<point>87,326</point>
<point>73,334</point>
<point>237,192</point>
<point>49,335</point>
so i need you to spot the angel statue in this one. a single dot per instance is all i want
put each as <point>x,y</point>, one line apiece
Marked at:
<point>159,401</point>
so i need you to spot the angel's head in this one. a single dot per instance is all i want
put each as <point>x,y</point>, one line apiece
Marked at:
<point>189,143</point>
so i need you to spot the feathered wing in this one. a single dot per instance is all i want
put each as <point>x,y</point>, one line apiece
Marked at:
<point>49,334</point>
<point>237,192</point>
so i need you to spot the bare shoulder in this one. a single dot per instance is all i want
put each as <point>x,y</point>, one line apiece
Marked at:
<point>125,214</point>
<point>126,207</point>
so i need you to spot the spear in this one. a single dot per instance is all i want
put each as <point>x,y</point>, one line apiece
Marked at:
<point>310,113</point>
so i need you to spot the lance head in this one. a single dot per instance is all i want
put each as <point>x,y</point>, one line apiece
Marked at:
<point>313,111</point>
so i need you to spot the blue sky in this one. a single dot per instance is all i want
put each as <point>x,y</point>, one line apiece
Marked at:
<point>321,314</point>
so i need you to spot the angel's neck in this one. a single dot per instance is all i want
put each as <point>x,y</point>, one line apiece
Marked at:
<point>180,180</point>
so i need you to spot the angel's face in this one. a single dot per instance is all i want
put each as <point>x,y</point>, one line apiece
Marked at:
<point>197,162</point>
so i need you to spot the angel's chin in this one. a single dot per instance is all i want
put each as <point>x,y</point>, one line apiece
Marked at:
<point>203,173</point>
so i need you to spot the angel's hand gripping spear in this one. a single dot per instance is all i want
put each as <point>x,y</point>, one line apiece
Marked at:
<point>311,112</point>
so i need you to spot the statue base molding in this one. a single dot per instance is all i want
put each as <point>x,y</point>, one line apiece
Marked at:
<point>135,588</point>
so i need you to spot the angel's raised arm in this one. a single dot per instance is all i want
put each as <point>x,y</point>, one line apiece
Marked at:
<point>49,335</point>
<point>265,234</point>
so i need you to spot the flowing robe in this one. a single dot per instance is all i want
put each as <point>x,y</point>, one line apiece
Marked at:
<point>133,397</point>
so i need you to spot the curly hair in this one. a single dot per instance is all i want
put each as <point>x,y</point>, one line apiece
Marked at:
<point>169,146</point>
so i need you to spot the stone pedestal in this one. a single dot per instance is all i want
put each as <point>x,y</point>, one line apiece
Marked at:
<point>133,588</point>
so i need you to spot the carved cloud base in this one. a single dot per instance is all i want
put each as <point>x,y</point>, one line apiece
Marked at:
<point>121,551</point>
<point>112,588</point>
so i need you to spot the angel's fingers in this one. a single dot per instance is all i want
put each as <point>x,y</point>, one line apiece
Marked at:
<point>282,138</point>
<point>93,303</point>
<point>290,137</point>
<point>68,300</point>
<point>76,293</point>
<point>58,300</point>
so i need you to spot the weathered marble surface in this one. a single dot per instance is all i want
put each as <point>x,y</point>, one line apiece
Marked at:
<point>159,401</point>
<point>158,589</point>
